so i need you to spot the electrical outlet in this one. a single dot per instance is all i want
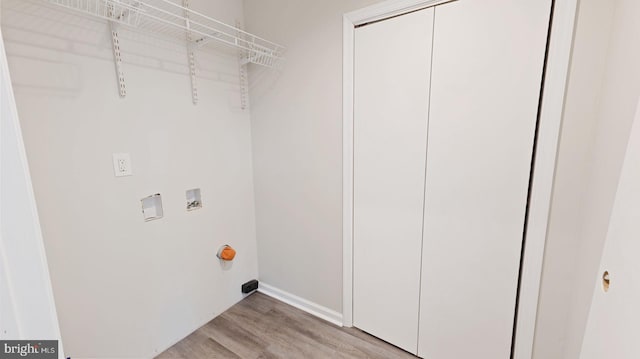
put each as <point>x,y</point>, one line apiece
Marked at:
<point>122,164</point>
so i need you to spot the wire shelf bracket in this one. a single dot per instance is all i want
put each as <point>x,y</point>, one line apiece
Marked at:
<point>191,56</point>
<point>117,55</point>
<point>242,71</point>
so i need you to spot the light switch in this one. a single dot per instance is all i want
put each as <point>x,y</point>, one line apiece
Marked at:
<point>122,164</point>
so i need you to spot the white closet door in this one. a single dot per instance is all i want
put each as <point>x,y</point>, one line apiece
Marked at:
<point>488,59</point>
<point>614,320</point>
<point>392,66</point>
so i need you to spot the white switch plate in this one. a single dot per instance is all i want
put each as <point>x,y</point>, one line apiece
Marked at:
<point>122,164</point>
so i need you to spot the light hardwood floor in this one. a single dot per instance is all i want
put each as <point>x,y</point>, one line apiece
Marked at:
<point>262,327</point>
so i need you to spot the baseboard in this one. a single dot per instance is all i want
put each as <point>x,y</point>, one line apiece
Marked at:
<point>310,307</point>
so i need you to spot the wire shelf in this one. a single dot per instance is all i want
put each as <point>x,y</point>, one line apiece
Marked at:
<point>166,17</point>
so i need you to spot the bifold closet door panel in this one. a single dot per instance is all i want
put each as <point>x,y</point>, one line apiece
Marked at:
<point>391,104</point>
<point>488,59</point>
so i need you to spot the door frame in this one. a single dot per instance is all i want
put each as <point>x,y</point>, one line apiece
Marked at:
<point>27,303</point>
<point>549,126</point>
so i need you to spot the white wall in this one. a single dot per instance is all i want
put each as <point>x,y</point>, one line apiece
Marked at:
<point>296,119</point>
<point>582,105</point>
<point>123,287</point>
<point>620,92</point>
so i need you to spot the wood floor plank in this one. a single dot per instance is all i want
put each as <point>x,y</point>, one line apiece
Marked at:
<point>198,345</point>
<point>236,338</point>
<point>260,327</point>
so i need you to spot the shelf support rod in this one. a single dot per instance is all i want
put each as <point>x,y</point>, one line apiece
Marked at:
<point>117,55</point>
<point>191,54</point>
